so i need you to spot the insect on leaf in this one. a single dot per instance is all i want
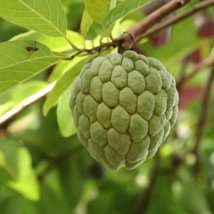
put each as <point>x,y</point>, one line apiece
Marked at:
<point>17,64</point>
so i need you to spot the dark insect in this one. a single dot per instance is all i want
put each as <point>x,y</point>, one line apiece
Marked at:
<point>32,49</point>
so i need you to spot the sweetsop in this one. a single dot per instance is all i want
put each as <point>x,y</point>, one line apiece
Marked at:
<point>123,107</point>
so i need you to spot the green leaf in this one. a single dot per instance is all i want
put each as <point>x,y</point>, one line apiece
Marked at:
<point>17,64</point>
<point>121,10</point>
<point>157,201</point>
<point>8,165</point>
<point>73,175</point>
<point>63,83</point>
<point>98,9</point>
<point>15,160</point>
<point>105,202</point>
<point>111,201</point>
<point>90,29</point>
<point>192,197</point>
<point>47,17</point>
<point>64,116</point>
<point>53,201</point>
<point>87,26</point>
<point>10,202</point>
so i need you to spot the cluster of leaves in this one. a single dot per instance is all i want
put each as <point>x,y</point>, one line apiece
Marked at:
<point>37,174</point>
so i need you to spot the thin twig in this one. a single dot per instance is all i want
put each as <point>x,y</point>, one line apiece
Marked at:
<point>203,117</point>
<point>142,203</point>
<point>71,44</point>
<point>182,72</point>
<point>59,160</point>
<point>177,18</point>
<point>25,103</point>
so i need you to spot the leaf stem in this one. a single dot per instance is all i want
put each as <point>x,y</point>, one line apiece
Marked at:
<point>72,44</point>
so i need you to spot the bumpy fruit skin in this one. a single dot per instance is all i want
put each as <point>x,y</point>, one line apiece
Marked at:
<point>123,107</point>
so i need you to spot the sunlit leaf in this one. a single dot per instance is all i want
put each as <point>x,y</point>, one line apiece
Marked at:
<point>87,26</point>
<point>90,29</point>
<point>47,17</point>
<point>64,116</point>
<point>98,9</point>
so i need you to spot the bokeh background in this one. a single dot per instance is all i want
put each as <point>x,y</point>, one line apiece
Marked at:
<point>53,174</point>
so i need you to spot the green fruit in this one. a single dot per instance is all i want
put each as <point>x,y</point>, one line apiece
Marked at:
<point>123,107</point>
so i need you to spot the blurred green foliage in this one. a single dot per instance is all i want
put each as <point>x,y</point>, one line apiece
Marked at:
<point>43,172</point>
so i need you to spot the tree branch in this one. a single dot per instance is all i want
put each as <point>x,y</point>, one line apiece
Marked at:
<point>142,204</point>
<point>25,103</point>
<point>177,18</point>
<point>134,34</point>
<point>142,29</point>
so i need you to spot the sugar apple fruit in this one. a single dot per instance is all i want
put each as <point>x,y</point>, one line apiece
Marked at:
<point>123,107</point>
